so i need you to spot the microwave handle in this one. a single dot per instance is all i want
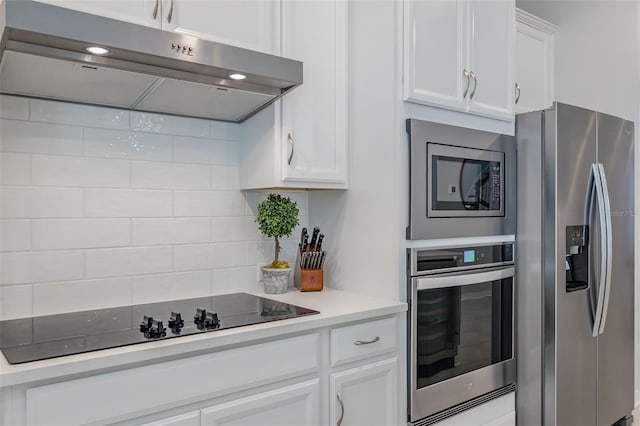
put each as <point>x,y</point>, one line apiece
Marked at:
<point>427,283</point>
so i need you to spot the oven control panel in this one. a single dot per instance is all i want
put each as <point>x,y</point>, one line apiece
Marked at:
<point>445,259</point>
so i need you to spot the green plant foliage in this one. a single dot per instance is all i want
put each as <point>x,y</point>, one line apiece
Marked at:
<point>277,218</point>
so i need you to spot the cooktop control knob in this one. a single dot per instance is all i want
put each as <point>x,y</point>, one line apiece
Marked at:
<point>206,320</point>
<point>152,329</point>
<point>176,322</point>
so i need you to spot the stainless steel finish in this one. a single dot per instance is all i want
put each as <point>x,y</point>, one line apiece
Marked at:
<point>566,376</point>
<point>475,84</point>
<point>292,143</point>
<point>170,14</point>
<point>474,154</point>
<point>423,227</point>
<point>609,245</point>
<point>367,342</point>
<point>44,45</point>
<point>341,402</point>
<point>466,91</point>
<point>594,186</point>
<point>415,251</point>
<point>615,345</point>
<point>517,93</point>
<point>442,281</point>
<point>155,9</point>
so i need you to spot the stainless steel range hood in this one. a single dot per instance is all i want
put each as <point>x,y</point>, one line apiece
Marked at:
<point>44,55</point>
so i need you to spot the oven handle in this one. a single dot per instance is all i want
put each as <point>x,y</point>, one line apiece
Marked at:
<point>426,283</point>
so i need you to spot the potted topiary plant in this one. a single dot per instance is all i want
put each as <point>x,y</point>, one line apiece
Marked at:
<point>277,218</point>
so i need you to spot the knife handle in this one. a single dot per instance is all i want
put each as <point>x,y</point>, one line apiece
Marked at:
<point>319,245</point>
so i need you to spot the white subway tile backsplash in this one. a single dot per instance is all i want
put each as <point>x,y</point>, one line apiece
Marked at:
<point>158,123</point>
<point>183,285</point>
<point>79,171</point>
<point>69,296</point>
<point>15,302</point>
<point>208,256</point>
<point>225,177</point>
<point>41,266</point>
<point>80,233</point>
<point>145,174</point>
<point>207,151</point>
<point>102,207</point>
<point>208,203</point>
<point>15,169</point>
<point>221,130</point>
<point>127,261</point>
<point>241,228</point>
<point>14,107</point>
<point>127,203</point>
<point>25,203</point>
<point>15,235</point>
<point>40,138</point>
<point>78,115</point>
<point>129,145</point>
<point>233,280</point>
<point>170,231</point>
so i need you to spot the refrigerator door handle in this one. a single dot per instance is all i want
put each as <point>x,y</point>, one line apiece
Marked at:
<point>609,243</point>
<point>594,187</point>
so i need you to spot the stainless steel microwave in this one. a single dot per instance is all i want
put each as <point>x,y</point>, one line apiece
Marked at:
<point>462,182</point>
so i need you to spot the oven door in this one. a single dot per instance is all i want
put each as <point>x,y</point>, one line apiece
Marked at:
<point>462,338</point>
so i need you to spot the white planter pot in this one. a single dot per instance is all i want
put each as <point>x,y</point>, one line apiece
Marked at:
<point>275,280</point>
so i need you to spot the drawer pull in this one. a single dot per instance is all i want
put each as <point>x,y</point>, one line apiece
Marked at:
<point>366,342</point>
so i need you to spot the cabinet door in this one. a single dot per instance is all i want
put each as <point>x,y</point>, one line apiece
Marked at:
<point>188,419</point>
<point>492,45</point>
<point>434,46</point>
<point>364,396</point>
<point>139,12</point>
<point>252,24</point>
<point>315,114</point>
<point>534,62</point>
<point>296,405</point>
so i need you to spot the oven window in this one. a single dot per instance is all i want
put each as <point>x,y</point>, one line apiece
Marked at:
<point>465,184</point>
<point>463,328</point>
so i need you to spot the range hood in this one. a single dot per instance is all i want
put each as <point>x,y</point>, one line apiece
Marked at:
<point>44,55</point>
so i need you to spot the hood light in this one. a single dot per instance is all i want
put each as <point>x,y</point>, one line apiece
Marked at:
<point>237,76</point>
<point>97,50</point>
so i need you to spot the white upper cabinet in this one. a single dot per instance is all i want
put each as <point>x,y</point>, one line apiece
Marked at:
<point>301,142</point>
<point>534,62</point>
<point>252,24</point>
<point>458,54</point>
<point>141,12</point>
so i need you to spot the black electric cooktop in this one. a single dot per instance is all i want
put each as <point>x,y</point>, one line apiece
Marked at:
<point>37,338</point>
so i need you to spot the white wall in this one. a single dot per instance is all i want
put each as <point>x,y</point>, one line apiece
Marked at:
<point>597,50</point>
<point>104,207</point>
<point>361,223</point>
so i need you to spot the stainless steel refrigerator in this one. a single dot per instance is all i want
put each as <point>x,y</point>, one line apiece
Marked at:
<point>574,268</point>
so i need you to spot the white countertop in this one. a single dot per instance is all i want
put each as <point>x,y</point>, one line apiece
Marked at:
<point>335,307</point>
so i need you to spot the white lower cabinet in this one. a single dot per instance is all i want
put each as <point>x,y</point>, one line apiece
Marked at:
<point>296,405</point>
<point>188,419</point>
<point>365,395</point>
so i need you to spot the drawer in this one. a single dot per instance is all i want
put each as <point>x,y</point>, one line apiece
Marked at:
<point>364,340</point>
<point>125,393</point>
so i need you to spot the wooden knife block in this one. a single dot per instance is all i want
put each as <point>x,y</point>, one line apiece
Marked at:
<point>308,279</point>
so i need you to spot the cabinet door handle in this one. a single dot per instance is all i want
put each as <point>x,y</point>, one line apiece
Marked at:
<point>155,9</point>
<point>170,15</point>
<point>475,84</point>
<point>339,396</point>
<point>517,92</point>
<point>291,142</point>
<point>466,91</point>
<point>367,342</point>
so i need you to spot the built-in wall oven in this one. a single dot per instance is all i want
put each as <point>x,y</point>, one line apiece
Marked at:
<point>461,328</point>
<point>462,182</point>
